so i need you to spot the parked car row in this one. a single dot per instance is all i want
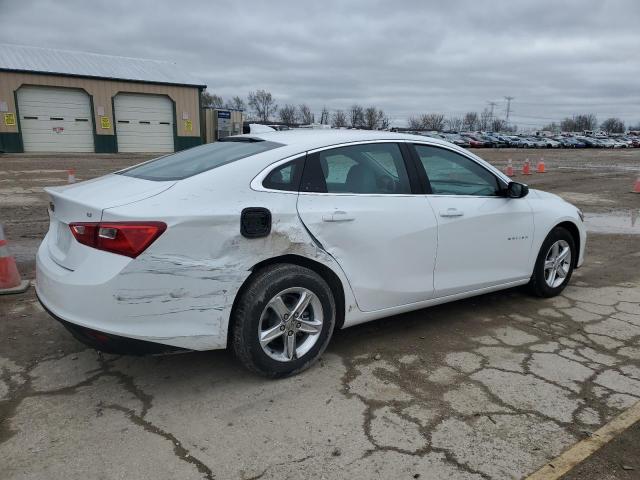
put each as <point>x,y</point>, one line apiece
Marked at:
<point>500,140</point>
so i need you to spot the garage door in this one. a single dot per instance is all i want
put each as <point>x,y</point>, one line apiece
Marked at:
<point>144,123</point>
<point>55,120</point>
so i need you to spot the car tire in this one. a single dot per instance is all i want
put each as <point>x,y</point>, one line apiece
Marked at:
<point>256,314</point>
<point>550,274</point>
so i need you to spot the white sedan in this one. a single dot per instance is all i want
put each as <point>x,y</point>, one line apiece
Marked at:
<point>266,243</point>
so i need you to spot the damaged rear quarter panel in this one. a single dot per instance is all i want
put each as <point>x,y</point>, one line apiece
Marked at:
<point>185,284</point>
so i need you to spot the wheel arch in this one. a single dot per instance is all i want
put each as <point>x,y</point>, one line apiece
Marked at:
<point>572,228</point>
<point>328,275</point>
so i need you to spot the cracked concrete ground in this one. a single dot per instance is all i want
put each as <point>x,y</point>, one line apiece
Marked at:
<point>491,387</point>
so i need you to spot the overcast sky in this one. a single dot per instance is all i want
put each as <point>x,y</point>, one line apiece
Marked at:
<point>555,58</point>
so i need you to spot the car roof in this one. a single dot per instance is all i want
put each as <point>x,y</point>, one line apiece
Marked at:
<point>309,139</point>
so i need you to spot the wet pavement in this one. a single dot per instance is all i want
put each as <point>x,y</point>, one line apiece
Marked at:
<point>490,387</point>
<point>621,222</point>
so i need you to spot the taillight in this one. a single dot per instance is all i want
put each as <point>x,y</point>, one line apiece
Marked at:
<point>123,238</point>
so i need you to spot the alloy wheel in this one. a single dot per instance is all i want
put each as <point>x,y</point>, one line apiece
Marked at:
<point>557,264</point>
<point>290,324</point>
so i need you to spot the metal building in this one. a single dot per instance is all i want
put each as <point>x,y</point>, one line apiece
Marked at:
<point>66,101</point>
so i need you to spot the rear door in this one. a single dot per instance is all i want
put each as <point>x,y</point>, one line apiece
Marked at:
<point>357,201</point>
<point>484,238</point>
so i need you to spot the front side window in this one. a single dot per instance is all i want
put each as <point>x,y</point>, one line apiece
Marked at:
<point>196,160</point>
<point>374,168</point>
<point>453,174</point>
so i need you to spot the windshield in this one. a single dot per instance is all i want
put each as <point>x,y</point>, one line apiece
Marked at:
<point>196,160</point>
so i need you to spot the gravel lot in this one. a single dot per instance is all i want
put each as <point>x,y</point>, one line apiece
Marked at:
<point>490,387</point>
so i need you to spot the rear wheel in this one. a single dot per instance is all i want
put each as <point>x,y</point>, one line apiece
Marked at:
<point>554,264</point>
<point>283,320</point>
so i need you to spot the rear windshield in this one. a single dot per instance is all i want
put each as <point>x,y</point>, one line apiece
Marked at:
<point>198,159</point>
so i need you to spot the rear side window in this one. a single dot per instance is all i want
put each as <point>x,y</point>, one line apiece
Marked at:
<point>197,160</point>
<point>285,177</point>
<point>374,168</point>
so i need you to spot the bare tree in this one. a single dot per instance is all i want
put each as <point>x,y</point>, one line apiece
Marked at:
<point>455,124</point>
<point>613,125</point>
<point>579,123</point>
<point>470,121</point>
<point>306,116</point>
<point>432,121</point>
<point>324,116</point>
<point>356,116</point>
<point>498,125</point>
<point>263,104</point>
<point>415,123</point>
<point>288,114</point>
<point>237,103</point>
<point>385,122</point>
<point>371,118</point>
<point>568,125</point>
<point>375,119</point>
<point>551,127</point>
<point>586,121</point>
<point>211,100</point>
<point>339,119</point>
<point>485,119</point>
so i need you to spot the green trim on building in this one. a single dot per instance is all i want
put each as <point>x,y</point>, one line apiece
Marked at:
<point>113,120</point>
<point>10,142</point>
<point>93,121</point>
<point>182,143</point>
<point>175,125</point>
<point>106,143</point>
<point>20,139</point>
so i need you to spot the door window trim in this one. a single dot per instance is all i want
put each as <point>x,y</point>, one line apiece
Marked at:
<point>425,177</point>
<point>415,170</point>
<point>409,165</point>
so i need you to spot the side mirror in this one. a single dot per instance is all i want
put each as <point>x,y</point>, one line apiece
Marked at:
<point>517,190</point>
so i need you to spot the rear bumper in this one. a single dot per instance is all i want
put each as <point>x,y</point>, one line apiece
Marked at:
<point>108,343</point>
<point>135,300</point>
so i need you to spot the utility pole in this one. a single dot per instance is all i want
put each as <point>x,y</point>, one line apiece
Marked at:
<point>508,99</point>
<point>492,105</point>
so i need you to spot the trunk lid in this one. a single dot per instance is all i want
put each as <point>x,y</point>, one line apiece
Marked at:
<point>85,202</point>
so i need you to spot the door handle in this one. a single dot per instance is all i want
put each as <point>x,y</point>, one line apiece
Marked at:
<point>338,216</point>
<point>451,212</point>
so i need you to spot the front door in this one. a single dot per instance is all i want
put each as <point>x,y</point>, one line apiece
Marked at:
<point>357,202</point>
<point>484,238</point>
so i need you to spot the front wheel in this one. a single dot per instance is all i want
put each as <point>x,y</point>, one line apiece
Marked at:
<point>282,321</point>
<point>554,264</point>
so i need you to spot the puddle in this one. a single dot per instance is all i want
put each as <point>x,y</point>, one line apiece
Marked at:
<point>622,222</point>
<point>584,198</point>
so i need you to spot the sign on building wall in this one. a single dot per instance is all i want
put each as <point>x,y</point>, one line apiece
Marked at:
<point>9,119</point>
<point>224,123</point>
<point>188,125</point>
<point>105,122</point>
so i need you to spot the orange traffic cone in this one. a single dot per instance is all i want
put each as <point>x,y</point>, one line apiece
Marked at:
<point>10,281</point>
<point>509,170</point>
<point>636,186</point>
<point>540,167</point>
<point>526,168</point>
<point>71,175</point>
